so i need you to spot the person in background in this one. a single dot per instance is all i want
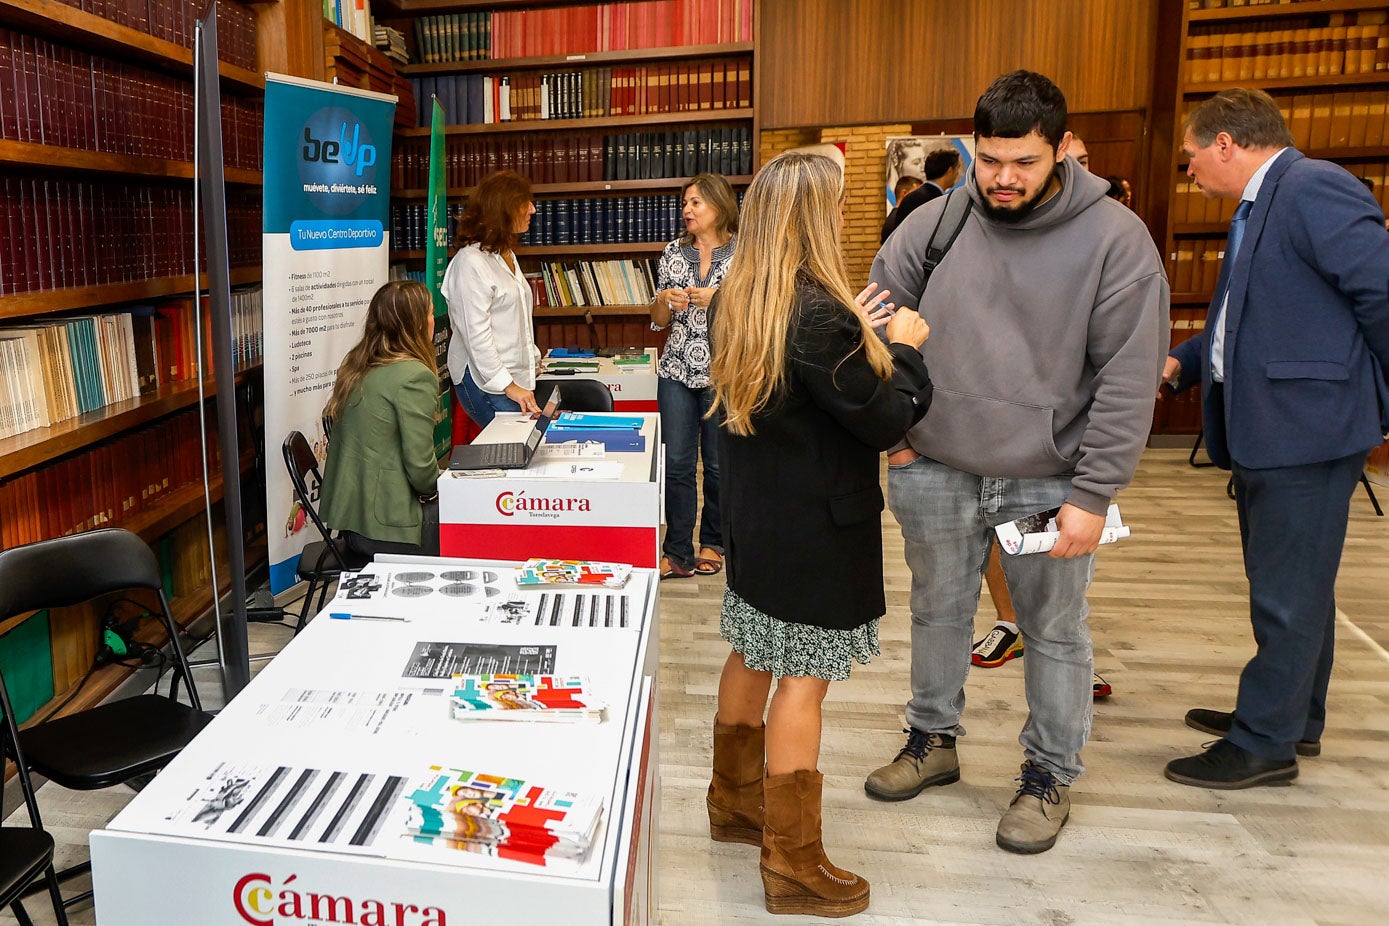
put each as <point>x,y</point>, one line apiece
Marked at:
<point>810,397</point>
<point>690,271</point>
<point>1120,190</point>
<point>1291,367</point>
<point>381,469</point>
<point>905,184</point>
<point>943,169</point>
<point>1080,284</point>
<point>1004,641</point>
<point>492,353</point>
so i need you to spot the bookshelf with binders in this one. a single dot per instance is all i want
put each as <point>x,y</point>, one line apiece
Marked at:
<point>607,109</point>
<point>99,374</point>
<point>1326,63</point>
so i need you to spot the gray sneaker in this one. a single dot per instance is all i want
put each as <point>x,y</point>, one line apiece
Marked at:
<point>1038,811</point>
<point>927,759</point>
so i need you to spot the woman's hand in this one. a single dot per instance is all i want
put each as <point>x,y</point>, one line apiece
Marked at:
<point>666,302</point>
<point>907,327</point>
<point>524,398</point>
<point>699,296</point>
<point>876,310</point>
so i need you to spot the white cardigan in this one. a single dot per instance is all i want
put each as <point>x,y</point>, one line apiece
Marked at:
<point>490,309</point>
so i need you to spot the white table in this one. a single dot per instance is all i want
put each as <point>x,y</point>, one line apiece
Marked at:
<point>512,514</point>
<point>155,864</point>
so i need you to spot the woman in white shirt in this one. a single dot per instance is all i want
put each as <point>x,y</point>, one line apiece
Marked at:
<point>492,355</point>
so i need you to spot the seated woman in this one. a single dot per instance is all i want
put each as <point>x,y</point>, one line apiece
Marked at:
<point>492,355</point>
<point>381,468</point>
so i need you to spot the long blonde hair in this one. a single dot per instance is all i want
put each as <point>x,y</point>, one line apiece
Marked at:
<point>397,328</point>
<point>789,228</point>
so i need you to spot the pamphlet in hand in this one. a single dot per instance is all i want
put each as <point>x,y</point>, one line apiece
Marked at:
<point>524,697</point>
<point>1038,533</point>
<point>537,572</point>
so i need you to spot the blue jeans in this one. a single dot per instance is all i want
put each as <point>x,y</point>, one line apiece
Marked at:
<point>1292,523</point>
<point>481,406</point>
<point>689,437</point>
<point>947,520</point>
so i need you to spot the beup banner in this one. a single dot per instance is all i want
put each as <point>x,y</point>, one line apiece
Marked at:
<point>327,202</point>
<point>436,260</point>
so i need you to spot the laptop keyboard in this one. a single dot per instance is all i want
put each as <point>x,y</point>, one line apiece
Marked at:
<point>500,456</point>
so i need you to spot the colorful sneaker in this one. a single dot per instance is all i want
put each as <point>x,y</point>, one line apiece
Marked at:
<point>1102,689</point>
<point>998,647</point>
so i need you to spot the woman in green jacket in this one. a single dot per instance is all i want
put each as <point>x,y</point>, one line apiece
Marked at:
<point>381,466</point>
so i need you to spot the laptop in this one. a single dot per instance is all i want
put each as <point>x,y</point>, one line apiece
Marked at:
<point>512,455</point>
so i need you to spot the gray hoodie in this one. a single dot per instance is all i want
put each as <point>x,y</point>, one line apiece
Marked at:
<point>1047,337</point>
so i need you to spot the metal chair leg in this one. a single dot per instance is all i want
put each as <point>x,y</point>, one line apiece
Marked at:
<point>1200,436</point>
<point>1369,490</point>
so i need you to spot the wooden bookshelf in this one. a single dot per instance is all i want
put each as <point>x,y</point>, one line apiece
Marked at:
<point>1271,10</point>
<point>39,302</point>
<point>1189,299</point>
<point>563,250</point>
<point>429,7</point>
<point>1326,81</point>
<point>573,125</point>
<point>588,187</point>
<point>72,26</point>
<point>34,448</point>
<point>30,154</point>
<point>579,311</point>
<point>546,62</point>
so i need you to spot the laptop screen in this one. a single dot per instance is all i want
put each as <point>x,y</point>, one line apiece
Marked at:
<point>547,414</point>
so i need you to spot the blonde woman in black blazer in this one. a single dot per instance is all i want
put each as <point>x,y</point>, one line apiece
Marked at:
<point>810,397</point>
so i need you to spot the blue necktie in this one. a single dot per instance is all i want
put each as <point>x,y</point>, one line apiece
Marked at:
<point>1232,243</point>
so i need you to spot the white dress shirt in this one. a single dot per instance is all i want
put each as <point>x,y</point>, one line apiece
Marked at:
<point>1251,192</point>
<point>490,309</point>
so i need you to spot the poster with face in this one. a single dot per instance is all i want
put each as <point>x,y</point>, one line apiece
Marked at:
<point>907,154</point>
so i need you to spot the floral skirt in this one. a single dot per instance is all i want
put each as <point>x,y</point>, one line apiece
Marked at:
<point>784,648</point>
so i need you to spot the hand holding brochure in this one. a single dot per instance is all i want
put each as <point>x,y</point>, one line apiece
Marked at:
<point>1038,533</point>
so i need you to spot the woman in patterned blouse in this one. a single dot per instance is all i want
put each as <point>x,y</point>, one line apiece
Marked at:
<point>691,269</point>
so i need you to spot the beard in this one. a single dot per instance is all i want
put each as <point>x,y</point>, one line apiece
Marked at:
<point>1012,215</point>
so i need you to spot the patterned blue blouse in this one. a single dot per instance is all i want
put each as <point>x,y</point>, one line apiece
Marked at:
<point>686,355</point>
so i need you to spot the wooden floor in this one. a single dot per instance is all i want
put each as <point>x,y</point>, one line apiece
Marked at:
<point>1171,632</point>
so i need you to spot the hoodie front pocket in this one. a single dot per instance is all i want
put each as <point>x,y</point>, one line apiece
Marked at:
<point>990,437</point>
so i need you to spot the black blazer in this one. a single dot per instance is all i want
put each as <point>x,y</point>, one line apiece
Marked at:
<point>909,204</point>
<point>801,497</point>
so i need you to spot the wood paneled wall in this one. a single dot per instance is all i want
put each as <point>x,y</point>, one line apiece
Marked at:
<point>835,62</point>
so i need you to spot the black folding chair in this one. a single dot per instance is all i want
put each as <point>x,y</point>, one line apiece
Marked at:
<point>576,395</point>
<point>25,853</point>
<point>113,742</point>
<point>322,560</point>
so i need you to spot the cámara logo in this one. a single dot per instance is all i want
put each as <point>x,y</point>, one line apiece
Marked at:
<point>261,904</point>
<point>508,503</point>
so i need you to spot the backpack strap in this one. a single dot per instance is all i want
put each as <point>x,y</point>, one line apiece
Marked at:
<point>948,228</point>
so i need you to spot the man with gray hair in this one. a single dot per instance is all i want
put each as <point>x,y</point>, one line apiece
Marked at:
<point>1291,366</point>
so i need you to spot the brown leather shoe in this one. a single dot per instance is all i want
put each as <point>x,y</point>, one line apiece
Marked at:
<point>735,793</point>
<point>797,878</point>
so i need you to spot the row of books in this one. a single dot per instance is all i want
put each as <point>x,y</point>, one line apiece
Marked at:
<point>107,484</point>
<point>589,93</point>
<point>68,233</point>
<point>613,220</point>
<point>352,15</point>
<point>578,158</point>
<point>51,371</point>
<point>1193,266</point>
<point>581,29</point>
<point>175,21</point>
<point>500,816</point>
<point>56,95</point>
<point>1312,46</point>
<point>1231,4</point>
<point>391,43</point>
<point>1190,205</point>
<point>595,282</point>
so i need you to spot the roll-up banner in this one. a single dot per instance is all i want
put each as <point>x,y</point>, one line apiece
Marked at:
<point>327,247</point>
<point>436,261</point>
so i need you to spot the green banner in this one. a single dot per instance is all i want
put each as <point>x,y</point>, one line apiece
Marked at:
<point>435,263</point>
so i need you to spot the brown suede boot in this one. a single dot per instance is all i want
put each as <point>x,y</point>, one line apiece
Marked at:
<point>796,875</point>
<point>735,794</point>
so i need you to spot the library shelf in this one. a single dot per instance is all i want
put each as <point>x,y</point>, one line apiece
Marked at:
<point>571,125</point>
<point>1190,299</point>
<point>44,301</point>
<point>1349,153</point>
<point>1321,81</point>
<point>91,32</point>
<point>412,7</point>
<point>1200,229</point>
<point>579,311</point>
<point>1271,10</point>
<point>31,154</point>
<point>584,59</point>
<point>585,187</point>
<point>563,250</point>
<point>34,448</point>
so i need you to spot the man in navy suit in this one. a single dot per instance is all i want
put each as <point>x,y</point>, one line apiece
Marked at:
<point>1292,368</point>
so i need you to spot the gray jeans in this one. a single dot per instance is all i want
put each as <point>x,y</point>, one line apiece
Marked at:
<point>947,518</point>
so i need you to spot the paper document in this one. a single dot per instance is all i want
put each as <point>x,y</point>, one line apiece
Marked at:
<point>1038,533</point>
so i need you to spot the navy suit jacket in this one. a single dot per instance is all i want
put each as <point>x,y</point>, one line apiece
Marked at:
<point>1306,326</point>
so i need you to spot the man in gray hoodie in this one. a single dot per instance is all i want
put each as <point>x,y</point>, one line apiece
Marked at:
<point>1049,327</point>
